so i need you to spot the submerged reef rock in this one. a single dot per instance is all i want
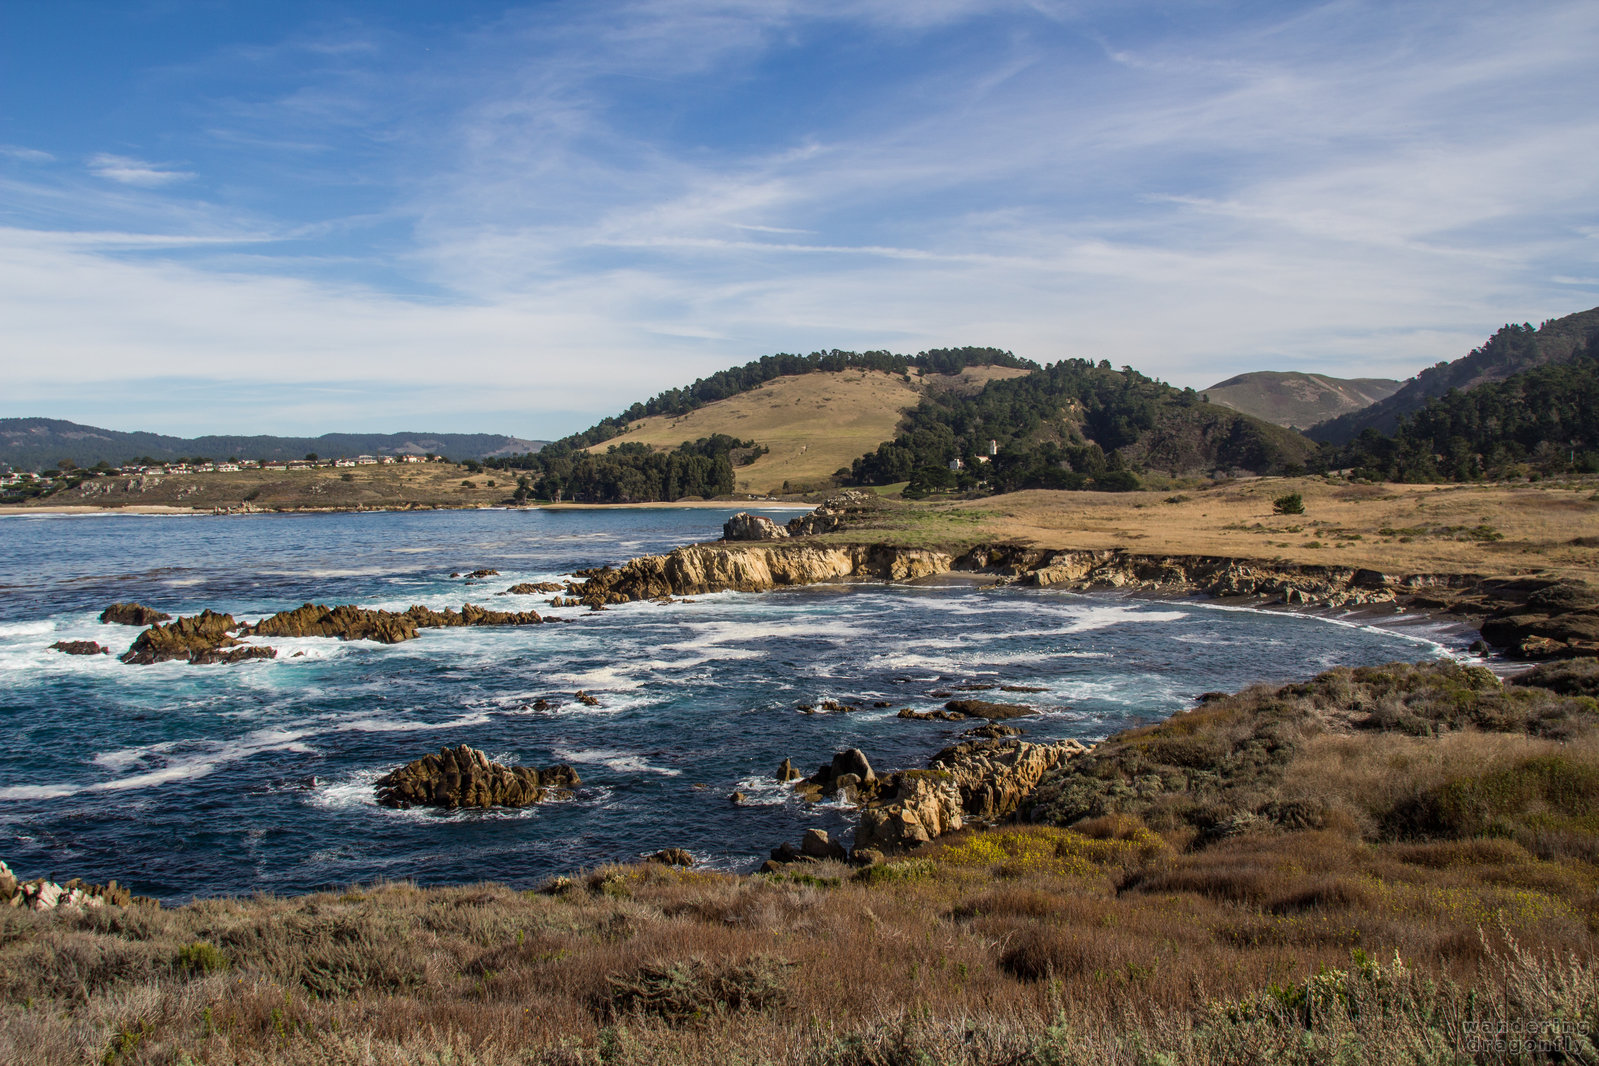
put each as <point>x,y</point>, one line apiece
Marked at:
<point>464,777</point>
<point>985,709</point>
<point>743,526</point>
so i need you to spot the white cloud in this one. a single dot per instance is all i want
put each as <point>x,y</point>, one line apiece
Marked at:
<point>1353,188</point>
<point>26,155</point>
<point>130,171</point>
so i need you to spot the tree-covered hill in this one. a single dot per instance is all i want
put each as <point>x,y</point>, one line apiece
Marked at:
<point>1510,351</point>
<point>36,443</point>
<point>1546,418</point>
<point>1076,424</point>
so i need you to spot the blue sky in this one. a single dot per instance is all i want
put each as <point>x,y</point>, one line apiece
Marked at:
<point>221,216</point>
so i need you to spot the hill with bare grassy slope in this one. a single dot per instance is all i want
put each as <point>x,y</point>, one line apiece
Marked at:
<point>811,424</point>
<point>1298,400</point>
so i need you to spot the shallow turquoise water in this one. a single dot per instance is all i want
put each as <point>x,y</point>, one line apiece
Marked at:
<point>182,781</point>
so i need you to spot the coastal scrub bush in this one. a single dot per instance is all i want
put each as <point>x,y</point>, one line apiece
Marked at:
<point>694,990</point>
<point>1291,503</point>
<point>201,957</point>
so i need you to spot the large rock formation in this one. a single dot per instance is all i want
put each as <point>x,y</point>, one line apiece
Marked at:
<point>982,778</point>
<point>836,513</point>
<point>133,614</point>
<point>743,526</point>
<point>915,807</point>
<point>190,638</point>
<point>348,622</point>
<point>753,567</point>
<point>464,777</point>
<point>995,775</point>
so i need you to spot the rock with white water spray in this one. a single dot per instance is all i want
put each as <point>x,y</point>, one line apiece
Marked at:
<point>80,647</point>
<point>464,777</point>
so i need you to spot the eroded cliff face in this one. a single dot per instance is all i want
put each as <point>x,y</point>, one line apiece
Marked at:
<point>756,566</point>
<point>752,567</point>
<point>1531,618</point>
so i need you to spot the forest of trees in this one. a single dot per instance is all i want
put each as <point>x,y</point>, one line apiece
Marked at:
<point>1071,425</point>
<point>632,472</point>
<point>1545,420</point>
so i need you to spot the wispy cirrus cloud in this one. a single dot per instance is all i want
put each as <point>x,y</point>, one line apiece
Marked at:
<point>593,201</point>
<point>127,170</point>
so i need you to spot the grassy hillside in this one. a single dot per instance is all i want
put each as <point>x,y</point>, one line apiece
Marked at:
<point>1388,865</point>
<point>1508,352</point>
<point>1295,399</point>
<point>812,424</point>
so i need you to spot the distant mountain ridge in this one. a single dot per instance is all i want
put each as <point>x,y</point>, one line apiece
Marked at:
<point>1510,351</point>
<point>1298,400</point>
<point>36,443</point>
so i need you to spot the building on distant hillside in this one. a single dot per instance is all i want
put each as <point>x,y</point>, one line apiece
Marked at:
<point>365,460</point>
<point>344,462</point>
<point>386,459</point>
<point>409,458</point>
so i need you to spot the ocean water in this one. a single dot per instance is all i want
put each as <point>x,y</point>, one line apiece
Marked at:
<point>184,781</point>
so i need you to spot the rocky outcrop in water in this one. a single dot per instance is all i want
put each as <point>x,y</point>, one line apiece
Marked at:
<point>80,647</point>
<point>348,622</point>
<point>985,709</point>
<point>191,638</point>
<point>530,588</point>
<point>133,614</point>
<point>464,777</point>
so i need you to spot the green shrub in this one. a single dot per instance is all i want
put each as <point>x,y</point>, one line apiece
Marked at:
<point>1292,503</point>
<point>201,957</point>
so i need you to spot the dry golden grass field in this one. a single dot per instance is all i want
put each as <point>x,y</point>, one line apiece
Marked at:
<point>1549,528</point>
<point>813,423</point>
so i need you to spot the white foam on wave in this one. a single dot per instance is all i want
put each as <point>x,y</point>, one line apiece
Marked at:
<point>604,678</point>
<point>764,791</point>
<point>397,725</point>
<point>207,757</point>
<point>27,629</point>
<point>620,761</point>
<point>711,634</point>
<point>1399,628</point>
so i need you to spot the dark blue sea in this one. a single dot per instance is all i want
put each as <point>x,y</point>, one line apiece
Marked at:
<point>184,781</point>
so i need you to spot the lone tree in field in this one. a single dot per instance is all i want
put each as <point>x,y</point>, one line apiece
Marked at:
<point>1293,503</point>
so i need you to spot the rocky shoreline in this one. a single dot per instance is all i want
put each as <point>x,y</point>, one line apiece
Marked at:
<point>1527,618</point>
